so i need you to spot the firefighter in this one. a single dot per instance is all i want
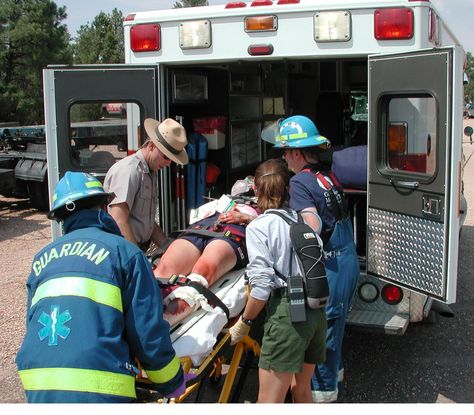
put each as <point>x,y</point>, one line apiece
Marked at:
<point>317,194</point>
<point>134,181</point>
<point>93,308</point>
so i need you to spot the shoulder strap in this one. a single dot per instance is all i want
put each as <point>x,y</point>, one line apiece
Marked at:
<point>281,215</point>
<point>289,222</point>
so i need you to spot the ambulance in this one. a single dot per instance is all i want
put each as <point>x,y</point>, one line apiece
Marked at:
<point>384,75</point>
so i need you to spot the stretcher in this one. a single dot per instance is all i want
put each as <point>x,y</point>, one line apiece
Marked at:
<point>201,341</point>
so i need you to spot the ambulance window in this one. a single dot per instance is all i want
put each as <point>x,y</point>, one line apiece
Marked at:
<point>411,134</point>
<point>98,134</point>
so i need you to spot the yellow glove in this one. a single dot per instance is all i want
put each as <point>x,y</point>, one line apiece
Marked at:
<point>238,331</point>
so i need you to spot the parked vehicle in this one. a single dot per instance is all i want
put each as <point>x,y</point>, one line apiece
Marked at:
<point>363,71</point>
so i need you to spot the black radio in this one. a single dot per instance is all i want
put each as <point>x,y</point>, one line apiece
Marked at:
<point>296,298</point>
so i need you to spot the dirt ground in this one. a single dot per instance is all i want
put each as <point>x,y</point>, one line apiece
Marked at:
<point>23,232</point>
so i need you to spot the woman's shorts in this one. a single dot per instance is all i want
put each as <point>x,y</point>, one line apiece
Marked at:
<point>286,345</point>
<point>200,242</point>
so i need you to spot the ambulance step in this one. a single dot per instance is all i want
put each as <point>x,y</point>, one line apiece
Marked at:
<point>374,321</point>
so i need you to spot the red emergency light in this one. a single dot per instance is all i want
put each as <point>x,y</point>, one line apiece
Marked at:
<point>288,1</point>
<point>129,17</point>
<point>392,24</point>
<point>145,37</point>
<point>235,5</point>
<point>261,3</point>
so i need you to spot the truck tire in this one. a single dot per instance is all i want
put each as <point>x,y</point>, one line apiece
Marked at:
<point>38,193</point>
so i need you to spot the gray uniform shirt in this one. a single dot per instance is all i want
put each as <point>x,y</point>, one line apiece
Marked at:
<point>269,248</point>
<point>133,183</point>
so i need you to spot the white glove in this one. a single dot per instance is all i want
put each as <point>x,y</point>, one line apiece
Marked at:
<point>238,331</point>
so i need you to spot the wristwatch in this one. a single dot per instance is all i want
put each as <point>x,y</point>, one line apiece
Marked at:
<point>246,321</point>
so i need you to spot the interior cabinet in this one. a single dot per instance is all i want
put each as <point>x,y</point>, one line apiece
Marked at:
<point>257,97</point>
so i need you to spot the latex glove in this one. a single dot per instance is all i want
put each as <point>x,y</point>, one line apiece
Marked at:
<point>238,331</point>
<point>182,387</point>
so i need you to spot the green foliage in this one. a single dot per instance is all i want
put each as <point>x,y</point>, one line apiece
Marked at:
<point>190,3</point>
<point>469,88</point>
<point>31,37</point>
<point>101,41</point>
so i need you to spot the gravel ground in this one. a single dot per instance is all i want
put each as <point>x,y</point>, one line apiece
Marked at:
<point>23,232</point>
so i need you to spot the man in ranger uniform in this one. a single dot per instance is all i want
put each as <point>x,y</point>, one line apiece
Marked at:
<point>93,307</point>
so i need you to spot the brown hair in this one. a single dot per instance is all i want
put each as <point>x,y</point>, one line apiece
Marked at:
<point>272,178</point>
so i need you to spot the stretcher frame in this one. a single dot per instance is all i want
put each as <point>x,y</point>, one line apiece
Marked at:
<point>211,367</point>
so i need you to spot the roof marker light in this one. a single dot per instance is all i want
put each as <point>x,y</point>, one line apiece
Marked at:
<point>145,37</point>
<point>396,23</point>
<point>332,26</point>
<point>261,24</point>
<point>260,50</point>
<point>235,5</point>
<point>261,3</point>
<point>195,34</point>
<point>129,17</point>
<point>288,1</point>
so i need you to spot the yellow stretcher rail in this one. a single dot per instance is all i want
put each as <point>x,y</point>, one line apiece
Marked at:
<point>246,344</point>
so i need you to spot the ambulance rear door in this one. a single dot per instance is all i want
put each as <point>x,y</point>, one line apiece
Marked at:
<point>413,170</point>
<point>94,116</point>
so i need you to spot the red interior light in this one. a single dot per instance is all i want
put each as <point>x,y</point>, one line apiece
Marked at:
<point>260,50</point>
<point>261,3</point>
<point>394,23</point>
<point>235,5</point>
<point>145,37</point>
<point>392,294</point>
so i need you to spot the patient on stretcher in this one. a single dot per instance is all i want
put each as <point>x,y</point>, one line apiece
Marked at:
<point>204,252</point>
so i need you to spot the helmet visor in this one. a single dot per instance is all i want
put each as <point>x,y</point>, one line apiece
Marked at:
<point>271,132</point>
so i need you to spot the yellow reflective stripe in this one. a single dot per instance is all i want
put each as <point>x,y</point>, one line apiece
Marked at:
<point>293,136</point>
<point>78,380</point>
<point>166,374</point>
<point>100,292</point>
<point>94,184</point>
<point>55,196</point>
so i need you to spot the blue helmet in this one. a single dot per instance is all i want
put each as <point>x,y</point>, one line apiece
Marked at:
<point>71,189</point>
<point>299,131</point>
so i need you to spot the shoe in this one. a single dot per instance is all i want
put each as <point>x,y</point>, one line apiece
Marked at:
<point>324,396</point>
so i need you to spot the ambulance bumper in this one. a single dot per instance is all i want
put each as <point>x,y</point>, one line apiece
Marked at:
<point>379,321</point>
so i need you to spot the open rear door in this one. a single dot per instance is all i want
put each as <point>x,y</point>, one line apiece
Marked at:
<point>414,168</point>
<point>94,116</point>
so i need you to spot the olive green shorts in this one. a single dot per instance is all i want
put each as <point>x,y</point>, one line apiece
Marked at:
<point>286,345</point>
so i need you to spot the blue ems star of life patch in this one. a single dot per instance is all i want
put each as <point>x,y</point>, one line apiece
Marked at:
<point>54,325</point>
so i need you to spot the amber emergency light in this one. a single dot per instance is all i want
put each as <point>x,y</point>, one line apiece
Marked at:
<point>397,138</point>
<point>261,24</point>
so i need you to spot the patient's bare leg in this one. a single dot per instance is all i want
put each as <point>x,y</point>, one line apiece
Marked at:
<point>179,258</point>
<point>217,258</point>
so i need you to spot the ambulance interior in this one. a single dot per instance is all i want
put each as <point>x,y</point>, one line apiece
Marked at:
<point>247,96</point>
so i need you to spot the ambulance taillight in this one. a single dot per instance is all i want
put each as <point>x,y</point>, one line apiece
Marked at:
<point>145,37</point>
<point>393,24</point>
<point>392,294</point>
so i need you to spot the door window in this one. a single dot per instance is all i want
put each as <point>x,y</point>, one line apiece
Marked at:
<point>98,134</point>
<point>411,137</point>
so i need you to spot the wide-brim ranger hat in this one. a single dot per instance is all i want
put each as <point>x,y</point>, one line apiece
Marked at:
<point>169,136</point>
